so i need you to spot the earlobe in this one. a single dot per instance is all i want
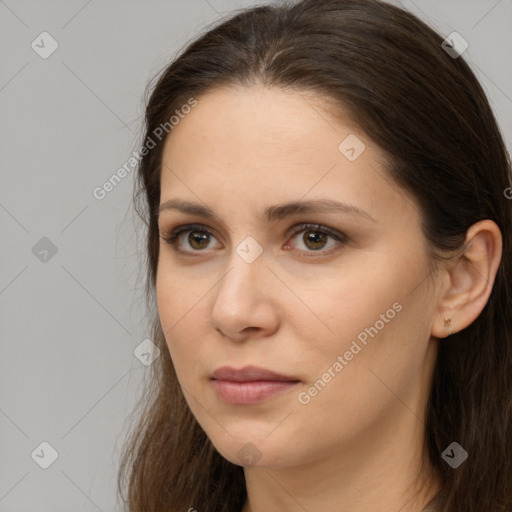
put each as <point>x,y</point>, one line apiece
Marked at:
<point>448,324</point>
<point>470,279</point>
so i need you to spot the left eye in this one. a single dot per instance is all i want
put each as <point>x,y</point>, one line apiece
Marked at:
<point>315,238</point>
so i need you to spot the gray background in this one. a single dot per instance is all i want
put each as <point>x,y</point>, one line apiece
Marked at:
<point>70,324</point>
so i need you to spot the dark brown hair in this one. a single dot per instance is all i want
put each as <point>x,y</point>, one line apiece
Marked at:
<point>428,112</point>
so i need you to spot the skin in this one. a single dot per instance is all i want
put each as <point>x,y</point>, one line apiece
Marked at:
<point>358,441</point>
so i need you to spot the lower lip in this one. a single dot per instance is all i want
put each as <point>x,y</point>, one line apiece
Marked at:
<point>250,392</point>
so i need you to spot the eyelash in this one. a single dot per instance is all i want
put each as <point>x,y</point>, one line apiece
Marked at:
<point>172,238</point>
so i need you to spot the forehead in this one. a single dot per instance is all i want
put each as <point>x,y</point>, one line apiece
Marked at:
<point>244,120</point>
<point>264,144</point>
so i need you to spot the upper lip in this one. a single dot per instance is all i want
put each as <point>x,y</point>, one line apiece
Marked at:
<point>248,373</point>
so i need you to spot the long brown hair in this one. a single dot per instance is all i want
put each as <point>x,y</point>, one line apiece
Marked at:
<point>427,110</point>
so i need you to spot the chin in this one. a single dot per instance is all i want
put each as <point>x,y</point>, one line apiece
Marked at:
<point>255,451</point>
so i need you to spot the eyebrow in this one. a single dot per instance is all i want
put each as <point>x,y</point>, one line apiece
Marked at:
<point>272,213</point>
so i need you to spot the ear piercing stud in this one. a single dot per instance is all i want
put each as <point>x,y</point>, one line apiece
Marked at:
<point>447,323</point>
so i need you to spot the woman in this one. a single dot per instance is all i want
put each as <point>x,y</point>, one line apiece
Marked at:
<point>329,247</point>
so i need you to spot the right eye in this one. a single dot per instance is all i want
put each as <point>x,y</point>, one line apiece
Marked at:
<point>197,238</point>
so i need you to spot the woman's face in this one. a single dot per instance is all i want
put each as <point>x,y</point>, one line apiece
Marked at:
<point>343,310</point>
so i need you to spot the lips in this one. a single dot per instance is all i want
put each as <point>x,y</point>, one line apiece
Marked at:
<point>249,385</point>
<point>249,373</point>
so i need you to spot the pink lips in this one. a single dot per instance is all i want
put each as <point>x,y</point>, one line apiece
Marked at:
<point>249,385</point>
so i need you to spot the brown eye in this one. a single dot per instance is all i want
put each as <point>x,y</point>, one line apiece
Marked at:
<point>314,240</point>
<point>198,239</point>
<point>190,239</point>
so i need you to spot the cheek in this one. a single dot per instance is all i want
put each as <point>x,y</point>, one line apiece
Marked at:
<point>369,318</point>
<point>341,307</point>
<point>353,376</point>
<point>167,297</point>
<point>179,304</point>
<point>178,297</point>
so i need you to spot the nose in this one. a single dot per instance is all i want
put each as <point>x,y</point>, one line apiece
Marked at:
<point>246,301</point>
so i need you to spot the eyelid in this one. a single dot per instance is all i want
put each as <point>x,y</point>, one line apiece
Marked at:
<point>305,226</point>
<point>172,237</point>
<point>339,236</point>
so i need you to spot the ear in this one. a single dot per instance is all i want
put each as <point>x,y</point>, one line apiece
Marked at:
<point>468,282</point>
